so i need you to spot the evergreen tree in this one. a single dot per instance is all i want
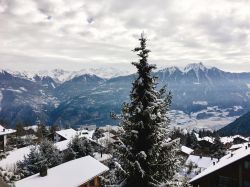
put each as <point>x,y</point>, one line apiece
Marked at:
<point>191,140</point>
<point>42,131</point>
<point>50,153</point>
<point>218,148</point>
<point>79,147</point>
<point>97,134</point>
<point>54,128</point>
<point>146,155</point>
<point>46,154</point>
<point>20,131</point>
<point>31,163</point>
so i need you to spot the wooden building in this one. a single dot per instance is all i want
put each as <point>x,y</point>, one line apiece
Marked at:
<point>233,170</point>
<point>82,172</point>
<point>3,136</point>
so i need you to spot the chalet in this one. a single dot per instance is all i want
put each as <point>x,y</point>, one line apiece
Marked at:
<point>82,172</point>
<point>238,139</point>
<point>108,138</point>
<point>3,136</point>
<point>232,170</point>
<point>186,151</point>
<point>68,134</point>
<point>31,128</point>
<point>64,135</point>
<point>205,143</point>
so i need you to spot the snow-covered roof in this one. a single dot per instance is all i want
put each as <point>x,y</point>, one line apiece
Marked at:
<point>201,162</point>
<point>224,161</point>
<point>71,133</point>
<point>226,139</point>
<point>62,145</point>
<point>67,133</point>
<point>85,133</point>
<point>237,146</point>
<point>33,127</point>
<point>70,174</point>
<point>186,150</point>
<point>230,139</point>
<point>206,138</point>
<point>13,157</point>
<point>241,137</point>
<point>4,131</point>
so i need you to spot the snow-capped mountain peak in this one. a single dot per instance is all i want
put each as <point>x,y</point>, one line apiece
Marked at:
<point>170,70</point>
<point>195,66</point>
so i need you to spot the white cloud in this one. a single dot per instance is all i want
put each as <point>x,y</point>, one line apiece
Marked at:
<point>59,32</point>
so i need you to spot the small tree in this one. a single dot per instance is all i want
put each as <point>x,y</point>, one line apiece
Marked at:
<point>79,147</point>
<point>146,155</point>
<point>46,154</point>
<point>20,131</point>
<point>31,163</point>
<point>97,134</point>
<point>42,132</point>
<point>218,149</point>
<point>54,128</point>
<point>50,153</point>
<point>191,140</point>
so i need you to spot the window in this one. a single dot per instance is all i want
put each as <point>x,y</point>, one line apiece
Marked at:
<point>247,165</point>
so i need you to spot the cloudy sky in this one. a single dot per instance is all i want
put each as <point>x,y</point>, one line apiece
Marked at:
<point>47,34</point>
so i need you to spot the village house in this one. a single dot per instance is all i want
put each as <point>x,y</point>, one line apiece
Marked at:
<point>64,134</point>
<point>228,141</point>
<point>82,172</point>
<point>68,134</point>
<point>3,136</point>
<point>238,139</point>
<point>232,170</point>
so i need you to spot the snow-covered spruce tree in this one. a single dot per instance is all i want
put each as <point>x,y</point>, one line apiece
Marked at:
<point>31,163</point>
<point>147,155</point>
<point>50,153</point>
<point>79,147</point>
<point>45,154</point>
<point>218,149</point>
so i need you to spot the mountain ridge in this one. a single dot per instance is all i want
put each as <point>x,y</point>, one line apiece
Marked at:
<point>89,98</point>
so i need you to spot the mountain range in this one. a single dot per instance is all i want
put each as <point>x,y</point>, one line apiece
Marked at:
<point>63,98</point>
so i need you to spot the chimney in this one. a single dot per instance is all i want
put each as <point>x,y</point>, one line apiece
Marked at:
<point>43,171</point>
